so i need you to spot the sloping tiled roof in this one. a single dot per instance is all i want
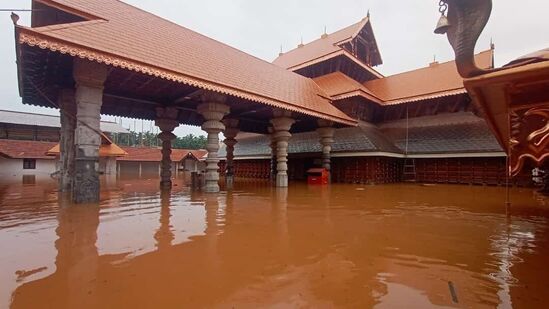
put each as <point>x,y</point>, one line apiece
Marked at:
<point>340,86</point>
<point>426,83</point>
<point>41,120</point>
<point>364,138</point>
<point>320,47</point>
<point>442,134</point>
<point>15,149</point>
<point>109,149</point>
<point>130,38</point>
<point>146,154</point>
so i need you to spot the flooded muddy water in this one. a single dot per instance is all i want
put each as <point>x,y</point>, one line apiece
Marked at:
<point>391,246</point>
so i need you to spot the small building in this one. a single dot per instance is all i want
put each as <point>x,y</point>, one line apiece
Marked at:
<point>27,159</point>
<point>145,161</point>
<point>108,154</point>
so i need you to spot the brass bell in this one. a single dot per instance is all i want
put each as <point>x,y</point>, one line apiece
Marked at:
<point>443,25</point>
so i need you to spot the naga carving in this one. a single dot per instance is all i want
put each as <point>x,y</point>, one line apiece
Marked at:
<point>465,21</point>
<point>529,137</point>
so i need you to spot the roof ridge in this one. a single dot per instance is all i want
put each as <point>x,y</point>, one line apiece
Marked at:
<point>333,33</point>
<point>426,67</point>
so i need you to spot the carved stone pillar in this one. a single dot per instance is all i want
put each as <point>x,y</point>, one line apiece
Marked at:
<point>272,145</point>
<point>282,123</point>
<point>67,105</point>
<point>167,122</point>
<point>326,133</point>
<point>89,77</point>
<point>213,109</point>
<point>231,131</point>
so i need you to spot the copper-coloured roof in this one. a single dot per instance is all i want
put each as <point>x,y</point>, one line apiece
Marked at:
<point>340,86</point>
<point>107,148</point>
<point>127,37</point>
<point>16,149</point>
<point>321,48</point>
<point>439,79</point>
<point>147,154</point>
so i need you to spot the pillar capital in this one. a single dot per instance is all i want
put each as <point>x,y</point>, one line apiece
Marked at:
<point>278,113</point>
<point>213,97</point>
<point>231,128</point>
<point>166,125</point>
<point>324,123</point>
<point>167,112</point>
<point>282,123</point>
<point>89,74</point>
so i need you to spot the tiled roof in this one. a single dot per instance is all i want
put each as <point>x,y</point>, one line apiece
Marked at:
<point>320,47</point>
<point>442,134</point>
<point>105,150</point>
<point>41,120</point>
<point>15,149</point>
<point>146,154</point>
<point>364,138</point>
<point>441,79</point>
<point>340,86</point>
<point>458,133</point>
<point>130,38</point>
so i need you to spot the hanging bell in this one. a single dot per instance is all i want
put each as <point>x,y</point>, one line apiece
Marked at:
<point>443,25</point>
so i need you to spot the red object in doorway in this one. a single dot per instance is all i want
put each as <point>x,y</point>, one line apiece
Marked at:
<point>317,176</point>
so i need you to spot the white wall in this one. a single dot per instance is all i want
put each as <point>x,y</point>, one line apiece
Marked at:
<point>13,168</point>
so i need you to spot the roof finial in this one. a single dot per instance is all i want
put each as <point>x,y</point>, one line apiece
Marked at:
<point>281,51</point>
<point>435,62</point>
<point>14,18</point>
<point>368,14</point>
<point>492,45</point>
<point>325,34</point>
<point>301,44</point>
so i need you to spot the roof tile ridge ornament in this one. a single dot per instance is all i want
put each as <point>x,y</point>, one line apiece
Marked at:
<point>463,25</point>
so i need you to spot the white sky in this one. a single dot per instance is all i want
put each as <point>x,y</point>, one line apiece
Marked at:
<point>403,29</point>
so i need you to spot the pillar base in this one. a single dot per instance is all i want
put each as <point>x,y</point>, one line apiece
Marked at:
<point>281,181</point>
<point>211,187</point>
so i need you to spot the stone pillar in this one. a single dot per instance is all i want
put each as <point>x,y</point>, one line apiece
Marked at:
<point>273,153</point>
<point>89,77</point>
<point>326,133</point>
<point>213,109</point>
<point>282,123</point>
<point>166,120</point>
<point>231,131</point>
<point>67,110</point>
<point>110,166</point>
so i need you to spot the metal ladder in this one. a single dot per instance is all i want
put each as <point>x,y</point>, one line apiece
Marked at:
<point>409,171</point>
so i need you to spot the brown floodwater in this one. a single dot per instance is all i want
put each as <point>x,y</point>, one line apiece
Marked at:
<point>390,246</point>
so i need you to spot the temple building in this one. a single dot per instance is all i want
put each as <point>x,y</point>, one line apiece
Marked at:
<point>419,125</point>
<point>107,57</point>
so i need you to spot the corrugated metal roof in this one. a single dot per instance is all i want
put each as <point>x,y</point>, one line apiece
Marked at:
<point>41,120</point>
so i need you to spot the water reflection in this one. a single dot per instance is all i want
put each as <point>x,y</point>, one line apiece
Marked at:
<point>256,246</point>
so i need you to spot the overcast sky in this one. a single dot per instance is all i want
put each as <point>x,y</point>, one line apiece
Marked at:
<point>403,29</point>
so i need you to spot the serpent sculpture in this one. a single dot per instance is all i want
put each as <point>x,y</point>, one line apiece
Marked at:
<point>465,21</point>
